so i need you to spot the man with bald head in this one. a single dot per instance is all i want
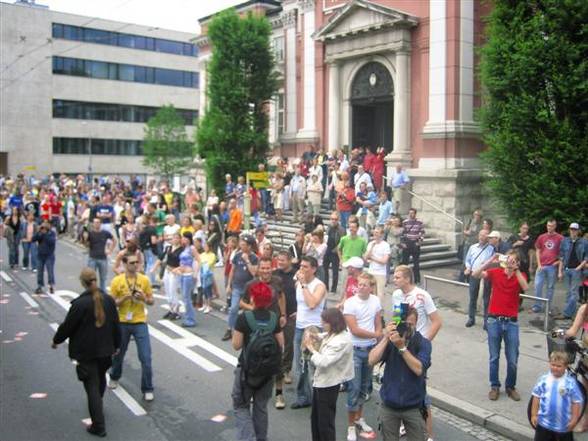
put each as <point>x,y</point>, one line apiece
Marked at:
<point>477,255</point>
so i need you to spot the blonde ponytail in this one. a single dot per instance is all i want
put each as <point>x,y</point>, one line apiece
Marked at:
<point>88,279</point>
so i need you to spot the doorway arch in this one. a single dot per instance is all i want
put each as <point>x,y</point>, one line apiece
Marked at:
<point>372,107</point>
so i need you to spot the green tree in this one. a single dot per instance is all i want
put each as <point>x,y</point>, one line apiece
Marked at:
<point>534,75</point>
<point>232,135</point>
<point>166,146</point>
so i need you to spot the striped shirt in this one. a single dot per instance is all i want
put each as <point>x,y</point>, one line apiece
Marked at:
<point>556,396</point>
<point>413,230</point>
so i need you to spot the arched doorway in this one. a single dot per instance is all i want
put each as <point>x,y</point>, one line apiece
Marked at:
<point>372,107</point>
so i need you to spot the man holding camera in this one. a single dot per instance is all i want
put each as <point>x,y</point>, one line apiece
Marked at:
<point>507,283</point>
<point>132,291</point>
<point>407,355</point>
<point>46,239</point>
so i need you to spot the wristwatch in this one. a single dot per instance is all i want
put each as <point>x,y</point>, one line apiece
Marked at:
<point>402,350</point>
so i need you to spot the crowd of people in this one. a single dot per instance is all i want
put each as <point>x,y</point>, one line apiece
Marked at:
<point>276,299</point>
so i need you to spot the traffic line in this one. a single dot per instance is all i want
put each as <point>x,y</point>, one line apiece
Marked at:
<point>27,298</point>
<point>5,276</point>
<point>194,340</point>
<point>120,391</point>
<point>177,346</point>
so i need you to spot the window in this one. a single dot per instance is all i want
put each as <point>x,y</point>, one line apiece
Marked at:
<point>279,49</point>
<point>280,113</point>
<point>99,36</point>
<point>79,146</point>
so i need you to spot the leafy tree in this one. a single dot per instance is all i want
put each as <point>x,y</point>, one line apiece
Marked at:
<point>232,135</point>
<point>534,74</point>
<point>166,146</point>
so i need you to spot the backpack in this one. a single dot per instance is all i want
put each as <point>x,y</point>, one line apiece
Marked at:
<point>262,357</point>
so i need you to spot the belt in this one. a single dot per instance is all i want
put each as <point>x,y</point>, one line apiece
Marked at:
<point>504,318</point>
<point>363,348</point>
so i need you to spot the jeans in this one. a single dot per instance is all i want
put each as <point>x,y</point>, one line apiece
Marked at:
<point>29,250</point>
<point>331,260</point>
<point>149,263</point>
<point>302,371</point>
<point>344,218</point>
<point>140,332</point>
<point>288,354</point>
<point>508,331</point>
<point>548,272</point>
<point>187,287</point>
<point>322,416</point>
<point>264,199</point>
<point>474,291</point>
<point>358,388</point>
<point>572,280</point>
<point>93,374</point>
<point>13,252</point>
<point>236,294</point>
<point>250,417</point>
<point>101,266</point>
<point>42,262</point>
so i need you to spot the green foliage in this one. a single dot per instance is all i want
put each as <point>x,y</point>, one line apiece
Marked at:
<point>232,135</point>
<point>166,146</point>
<point>534,73</point>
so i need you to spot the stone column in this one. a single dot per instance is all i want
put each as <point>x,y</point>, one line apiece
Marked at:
<point>203,80</point>
<point>334,106</point>
<point>308,129</point>
<point>289,20</point>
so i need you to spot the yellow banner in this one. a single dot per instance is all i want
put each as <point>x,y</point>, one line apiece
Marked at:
<point>258,179</point>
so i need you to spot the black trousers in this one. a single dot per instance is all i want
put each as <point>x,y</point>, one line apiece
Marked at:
<point>322,416</point>
<point>93,374</point>
<point>413,249</point>
<point>331,260</point>
<point>543,434</point>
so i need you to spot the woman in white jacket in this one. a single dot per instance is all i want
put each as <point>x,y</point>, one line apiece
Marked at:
<point>333,363</point>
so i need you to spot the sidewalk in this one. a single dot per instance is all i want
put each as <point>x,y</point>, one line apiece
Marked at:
<point>459,372</point>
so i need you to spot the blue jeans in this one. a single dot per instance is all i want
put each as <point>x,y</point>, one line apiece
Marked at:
<point>301,371</point>
<point>359,387</point>
<point>101,266</point>
<point>187,287</point>
<point>264,199</point>
<point>42,262</point>
<point>548,272</point>
<point>236,294</point>
<point>474,290</point>
<point>499,330</point>
<point>149,263</point>
<point>572,280</point>
<point>140,333</point>
<point>344,218</point>
<point>13,252</point>
<point>29,253</point>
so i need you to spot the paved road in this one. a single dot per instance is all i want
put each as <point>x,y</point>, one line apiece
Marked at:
<point>192,376</point>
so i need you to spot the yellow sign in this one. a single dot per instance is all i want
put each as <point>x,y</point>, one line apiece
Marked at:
<point>258,179</point>
<point>30,167</point>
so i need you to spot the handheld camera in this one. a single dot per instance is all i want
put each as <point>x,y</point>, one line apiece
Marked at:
<point>399,318</point>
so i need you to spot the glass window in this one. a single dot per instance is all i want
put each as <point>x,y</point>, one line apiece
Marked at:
<point>140,42</point>
<point>72,33</point>
<point>126,40</point>
<point>168,46</point>
<point>150,44</point>
<point>98,69</point>
<point>126,72</point>
<point>57,65</point>
<point>57,30</point>
<point>97,36</point>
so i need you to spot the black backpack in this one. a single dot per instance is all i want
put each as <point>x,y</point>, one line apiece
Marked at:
<point>262,357</point>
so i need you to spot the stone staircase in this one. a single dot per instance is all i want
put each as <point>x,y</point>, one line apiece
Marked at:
<point>434,253</point>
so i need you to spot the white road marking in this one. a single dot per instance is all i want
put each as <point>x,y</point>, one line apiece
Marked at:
<point>120,391</point>
<point>182,350</point>
<point>5,276</point>
<point>200,342</point>
<point>27,298</point>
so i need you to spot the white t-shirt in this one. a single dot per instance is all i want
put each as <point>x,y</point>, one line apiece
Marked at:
<point>169,231</point>
<point>305,316</point>
<point>422,301</point>
<point>379,251</point>
<point>365,312</point>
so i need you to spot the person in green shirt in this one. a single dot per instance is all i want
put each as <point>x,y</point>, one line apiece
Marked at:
<point>351,245</point>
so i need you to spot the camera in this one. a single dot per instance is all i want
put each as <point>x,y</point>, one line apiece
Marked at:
<point>399,318</point>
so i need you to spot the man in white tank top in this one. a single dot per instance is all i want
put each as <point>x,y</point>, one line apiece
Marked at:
<point>310,301</point>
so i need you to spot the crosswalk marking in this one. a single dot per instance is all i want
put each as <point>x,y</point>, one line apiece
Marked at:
<point>27,298</point>
<point>5,276</point>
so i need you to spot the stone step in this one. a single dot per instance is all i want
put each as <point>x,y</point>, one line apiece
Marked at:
<point>436,263</point>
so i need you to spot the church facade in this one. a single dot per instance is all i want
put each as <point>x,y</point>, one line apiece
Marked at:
<point>401,74</point>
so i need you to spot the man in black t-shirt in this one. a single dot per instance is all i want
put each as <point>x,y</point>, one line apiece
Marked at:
<point>100,244</point>
<point>250,405</point>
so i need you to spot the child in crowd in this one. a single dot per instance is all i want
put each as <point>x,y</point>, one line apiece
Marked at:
<point>557,402</point>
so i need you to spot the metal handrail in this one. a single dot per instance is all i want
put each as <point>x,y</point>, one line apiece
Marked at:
<point>453,282</point>
<point>431,204</point>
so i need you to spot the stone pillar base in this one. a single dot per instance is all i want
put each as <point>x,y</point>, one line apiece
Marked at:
<point>457,191</point>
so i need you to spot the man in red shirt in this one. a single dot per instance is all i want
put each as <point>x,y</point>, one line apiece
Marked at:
<point>507,282</point>
<point>547,251</point>
<point>345,202</point>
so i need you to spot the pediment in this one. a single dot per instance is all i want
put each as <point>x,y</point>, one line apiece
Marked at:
<point>360,16</point>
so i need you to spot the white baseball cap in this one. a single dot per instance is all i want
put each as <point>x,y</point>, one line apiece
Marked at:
<point>574,226</point>
<point>355,262</point>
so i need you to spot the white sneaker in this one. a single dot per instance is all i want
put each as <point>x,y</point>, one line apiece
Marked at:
<point>363,426</point>
<point>202,308</point>
<point>351,434</point>
<point>402,429</point>
<point>112,384</point>
<point>148,396</point>
<point>206,310</point>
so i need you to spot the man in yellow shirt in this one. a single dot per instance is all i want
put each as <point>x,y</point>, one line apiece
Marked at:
<point>132,291</point>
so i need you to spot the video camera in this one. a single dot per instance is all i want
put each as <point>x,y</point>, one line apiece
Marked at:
<point>399,318</point>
